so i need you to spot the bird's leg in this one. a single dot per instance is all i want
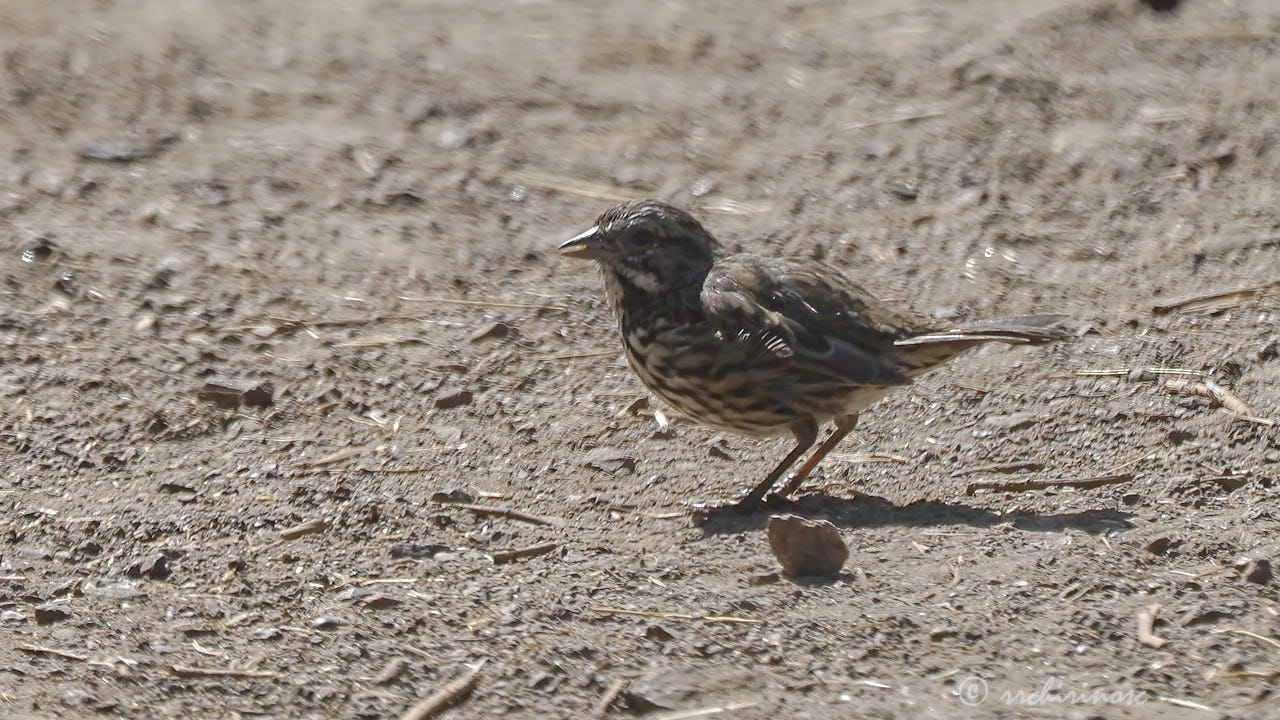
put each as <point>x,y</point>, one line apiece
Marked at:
<point>805,437</point>
<point>844,424</point>
<point>806,432</point>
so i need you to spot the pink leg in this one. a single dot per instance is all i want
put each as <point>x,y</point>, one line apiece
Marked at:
<point>844,424</point>
<point>806,433</point>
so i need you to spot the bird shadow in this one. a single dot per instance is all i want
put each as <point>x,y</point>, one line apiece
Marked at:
<point>870,511</point>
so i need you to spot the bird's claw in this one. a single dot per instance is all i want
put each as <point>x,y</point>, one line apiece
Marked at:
<point>745,505</point>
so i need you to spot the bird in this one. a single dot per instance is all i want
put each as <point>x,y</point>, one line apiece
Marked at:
<point>764,346</point>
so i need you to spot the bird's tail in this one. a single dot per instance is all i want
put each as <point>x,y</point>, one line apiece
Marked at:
<point>1023,330</point>
<point>923,352</point>
<point>929,350</point>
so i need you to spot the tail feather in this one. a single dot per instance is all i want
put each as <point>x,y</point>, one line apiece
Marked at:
<point>1024,330</point>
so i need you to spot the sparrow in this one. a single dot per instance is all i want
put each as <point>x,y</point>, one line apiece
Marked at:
<point>764,346</point>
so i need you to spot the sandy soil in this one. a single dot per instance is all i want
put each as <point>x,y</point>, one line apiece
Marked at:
<point>349,211</point>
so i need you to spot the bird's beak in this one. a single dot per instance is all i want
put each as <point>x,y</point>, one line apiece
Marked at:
<point>586,245</point>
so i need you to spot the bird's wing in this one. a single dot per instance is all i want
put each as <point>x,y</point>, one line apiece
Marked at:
<point>810,316</point>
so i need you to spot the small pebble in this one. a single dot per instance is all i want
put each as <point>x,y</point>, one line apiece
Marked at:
<point>49,613</point>
<point>493,330</point>
<point>1258,570</point>
<point>454,400</point>
<point>327,622</point>
<point>806,547</point>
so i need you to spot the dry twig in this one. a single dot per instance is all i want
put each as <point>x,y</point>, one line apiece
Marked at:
<point>337,457</point>
<point>606,701</point>
<point>484,303</point>
<point>1135,372</point>
<point>860,458</point>
<point>1179,702</point>
<point>445,696</point>
<point>1025,485</point>
<point>505,512</point>
<point>1146,627</point>
<point>577,356</point>
<point>1211,390</point>
<point>394,668</point>
<point>532,551</point>
<point>1214,302</point>
<point>66,655</point>
<point>676,616</point>
<point>1224,398</point>
<point>1237,631</point>
<point>1268,422</point>
<point>705,711</point>
<point>1005,468</point>
<point>195,672</point>
<point>393,471</point>
<point>907,116</point>
<point>1112,476</point>
<point>380,342</point>
<point>339,322</point>
<point>39,650</point>
<point>307,528</point>
<point>1269,674</point>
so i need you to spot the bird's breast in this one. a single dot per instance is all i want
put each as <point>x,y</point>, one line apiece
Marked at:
<point>695,372</point>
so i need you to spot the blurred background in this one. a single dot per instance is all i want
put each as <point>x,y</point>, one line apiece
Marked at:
<point>270,263</point>
<point>451,137</point>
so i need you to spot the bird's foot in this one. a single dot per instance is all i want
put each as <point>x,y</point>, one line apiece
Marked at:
<point>704,513</point>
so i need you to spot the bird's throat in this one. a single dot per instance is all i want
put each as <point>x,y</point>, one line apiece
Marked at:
<point>643,300</point>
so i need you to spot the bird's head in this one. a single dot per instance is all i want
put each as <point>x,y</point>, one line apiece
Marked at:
<point>649,245</point>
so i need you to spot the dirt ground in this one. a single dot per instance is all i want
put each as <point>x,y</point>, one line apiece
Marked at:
<point>344,215</point>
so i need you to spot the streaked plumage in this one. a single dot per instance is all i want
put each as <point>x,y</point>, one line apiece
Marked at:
<point>762,346</point>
